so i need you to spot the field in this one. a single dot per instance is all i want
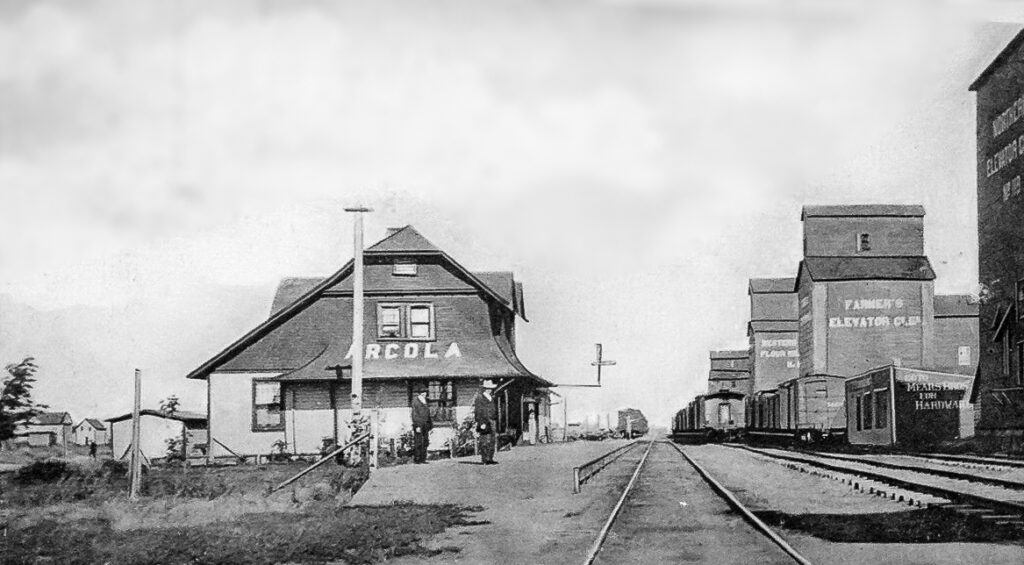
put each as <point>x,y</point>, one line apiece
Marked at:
<point>78,512</point>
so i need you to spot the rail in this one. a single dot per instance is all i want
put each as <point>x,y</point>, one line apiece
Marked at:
<point>595,548</point>
<point>939,492</point>
<point>325,458</point>
<point>586,471</point>
<point>745,512</point>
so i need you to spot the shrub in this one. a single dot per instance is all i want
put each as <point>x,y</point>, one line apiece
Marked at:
<point>48,471</point>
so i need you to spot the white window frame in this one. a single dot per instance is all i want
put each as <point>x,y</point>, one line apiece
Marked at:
<point>862,238</point>
<point>405,268</point>
<point>405,323</point>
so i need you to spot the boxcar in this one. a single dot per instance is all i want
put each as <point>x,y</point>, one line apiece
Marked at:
<point>812,406</point>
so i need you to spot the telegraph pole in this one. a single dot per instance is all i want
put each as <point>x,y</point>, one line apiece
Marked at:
<point>357,313</point>
<point>136,470</point>
<point>600,362</point>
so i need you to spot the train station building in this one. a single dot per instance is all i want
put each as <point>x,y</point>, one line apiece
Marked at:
<point>429,321</point>
<point>998,393</point>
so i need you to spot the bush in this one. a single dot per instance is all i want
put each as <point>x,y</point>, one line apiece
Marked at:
<point>48,471</point>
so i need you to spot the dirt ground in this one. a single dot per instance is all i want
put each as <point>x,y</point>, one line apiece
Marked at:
<point>768,486</point>
<point>529,512</point>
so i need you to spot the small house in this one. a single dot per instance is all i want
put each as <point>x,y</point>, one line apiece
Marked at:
<point>90,430</point>
<point>45,429</point>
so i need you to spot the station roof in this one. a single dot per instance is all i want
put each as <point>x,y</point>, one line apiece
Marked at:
<point>955,306</point>
<point>772,286</point>
<point>308,346</point>
<point>868,268</point>
<point>1001,59</point>
<point>863,210</point>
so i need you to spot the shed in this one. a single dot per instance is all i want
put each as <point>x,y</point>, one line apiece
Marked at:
<point>156,428</point>
<point>910,408</point>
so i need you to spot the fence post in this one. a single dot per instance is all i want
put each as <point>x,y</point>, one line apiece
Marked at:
<point>575,480</point>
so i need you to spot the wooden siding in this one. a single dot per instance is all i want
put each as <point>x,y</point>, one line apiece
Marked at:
<point>1000,248</point>
<point>889,236</point>
<point>854,350</point>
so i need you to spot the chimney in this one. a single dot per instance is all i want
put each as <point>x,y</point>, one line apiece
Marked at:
<point>392,231</point>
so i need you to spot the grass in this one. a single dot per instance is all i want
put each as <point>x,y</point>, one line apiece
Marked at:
<point>77,512</point>
<point>351,534</point>
<point>927,525</point>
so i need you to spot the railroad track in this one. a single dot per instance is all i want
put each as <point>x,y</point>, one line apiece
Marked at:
<point>667,514</point>
<point>939,467</point>
<point>965,494</point>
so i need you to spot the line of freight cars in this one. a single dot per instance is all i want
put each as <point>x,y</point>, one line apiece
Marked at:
<point>887,406</point>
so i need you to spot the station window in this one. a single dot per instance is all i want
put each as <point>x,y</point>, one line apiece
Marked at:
<point>389,320</point>
<point>866,407</point>
<point>267,413</point>
<point>863,242</point>
<point>440,399</point>
<point>881,408</point>
<point>405,321</point>
<point>857,401</point>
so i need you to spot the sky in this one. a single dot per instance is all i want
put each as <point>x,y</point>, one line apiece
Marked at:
<point>163,165</point>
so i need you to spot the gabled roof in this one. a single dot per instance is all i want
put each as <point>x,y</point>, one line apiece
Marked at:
<point>180,415</point>
<point>51,419</point>
<point>404,241</point>
<point>772,286</point>
<point>96,424</point>
<point>955,306</point>
<point>868,268</point>
<point>863,210</point>
<point>1000,59</point>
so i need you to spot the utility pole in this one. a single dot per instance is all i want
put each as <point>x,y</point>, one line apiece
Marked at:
<point>599,362</point>
<point>358,317</point>
<point>136,470</point>
<point>357,311</point>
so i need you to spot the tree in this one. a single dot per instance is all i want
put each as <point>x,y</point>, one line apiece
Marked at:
<point>16,404</point>
<point>169,405</point>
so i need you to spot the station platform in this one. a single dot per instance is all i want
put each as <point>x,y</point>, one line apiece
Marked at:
<point>527,501</point>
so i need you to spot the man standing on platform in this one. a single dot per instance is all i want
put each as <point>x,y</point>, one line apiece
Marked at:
<point>421,424</point>
<point>486,414</point>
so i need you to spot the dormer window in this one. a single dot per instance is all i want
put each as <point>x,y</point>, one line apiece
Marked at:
<point>863,242</point>
<point>404,268</point>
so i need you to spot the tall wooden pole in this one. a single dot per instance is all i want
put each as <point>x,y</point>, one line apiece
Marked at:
<point>136,470</point>
<point>357,312</point>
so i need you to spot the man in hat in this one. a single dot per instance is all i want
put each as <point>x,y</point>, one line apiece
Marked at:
<point>486,414</point>
<point>421,424</point>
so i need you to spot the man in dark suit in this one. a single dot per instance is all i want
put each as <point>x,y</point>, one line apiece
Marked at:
<point>486,415</point>
<point>421,424</point>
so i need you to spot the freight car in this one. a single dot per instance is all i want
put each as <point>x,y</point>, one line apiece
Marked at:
<point>632,423</point>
